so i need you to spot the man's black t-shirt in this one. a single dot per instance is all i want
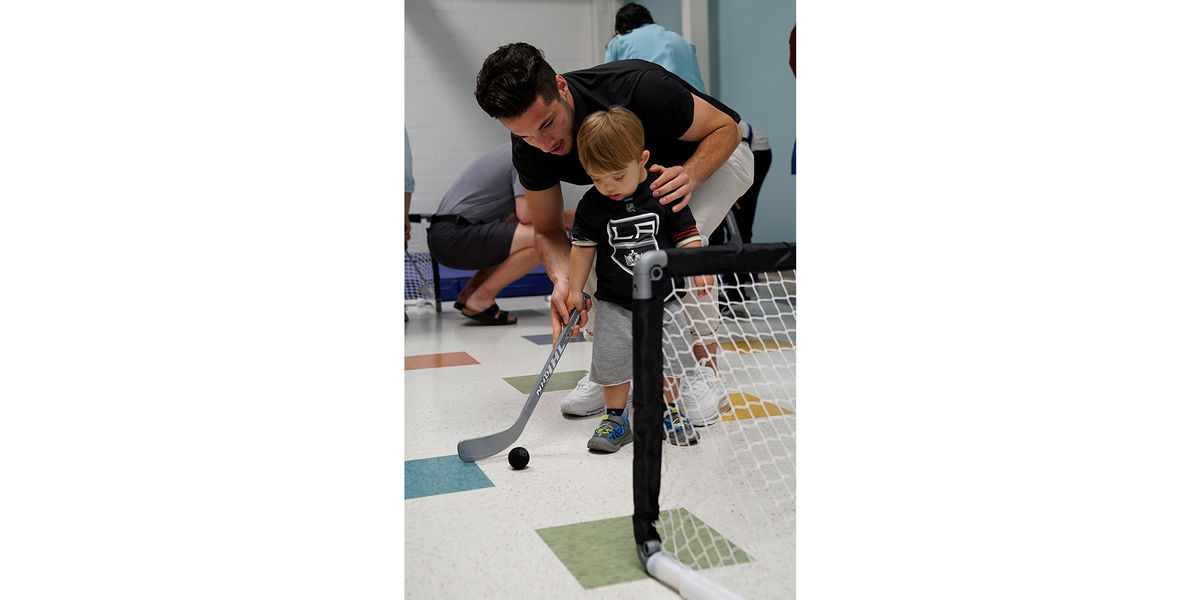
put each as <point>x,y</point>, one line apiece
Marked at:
<point>658,97</point>
<point>621,230</point>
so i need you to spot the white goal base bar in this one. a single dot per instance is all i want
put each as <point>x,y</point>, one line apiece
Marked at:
<point>690,584</point>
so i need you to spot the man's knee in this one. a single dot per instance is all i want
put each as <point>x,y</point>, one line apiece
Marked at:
<point>713,199</point>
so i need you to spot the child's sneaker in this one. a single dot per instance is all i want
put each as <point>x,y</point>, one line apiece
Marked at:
<point>612,433</point>
<point>678,429</point>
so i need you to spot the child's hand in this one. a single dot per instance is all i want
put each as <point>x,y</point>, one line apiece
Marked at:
<point>575,301</point>
<point>703,283</point>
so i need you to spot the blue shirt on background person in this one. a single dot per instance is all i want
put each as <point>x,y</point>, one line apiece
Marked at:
<point>657,44</point>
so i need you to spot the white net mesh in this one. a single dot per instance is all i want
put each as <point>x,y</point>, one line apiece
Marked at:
<point>419,288</point>
<point>728,502</point>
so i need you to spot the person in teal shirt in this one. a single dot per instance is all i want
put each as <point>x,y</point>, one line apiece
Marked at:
<point>638,36</point>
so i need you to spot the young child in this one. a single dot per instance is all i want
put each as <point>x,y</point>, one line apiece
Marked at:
<point>615,222</point>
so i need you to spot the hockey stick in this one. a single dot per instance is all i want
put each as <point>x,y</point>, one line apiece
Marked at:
<point>482,447</point>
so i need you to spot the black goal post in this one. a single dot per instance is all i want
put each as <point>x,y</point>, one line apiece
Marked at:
<point>650,273</point>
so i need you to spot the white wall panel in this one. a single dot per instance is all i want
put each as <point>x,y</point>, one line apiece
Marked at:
<point>445,44</point>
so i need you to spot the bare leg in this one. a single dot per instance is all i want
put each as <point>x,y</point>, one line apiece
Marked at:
<point>522,258</point>
<point>473,283</point>
<point>670,390</point>
<point>505,273</point>
<point>706,354</point>
<point>615,396</point>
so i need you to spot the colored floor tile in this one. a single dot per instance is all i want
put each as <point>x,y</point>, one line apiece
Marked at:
<point>546,339</point>
<point>599,553</point>
<point>701,544</point>
<point>558,381</point>
<point>434,361</point>
<point>596,552</point>
<point>441,475</point>
<point>746,406</point>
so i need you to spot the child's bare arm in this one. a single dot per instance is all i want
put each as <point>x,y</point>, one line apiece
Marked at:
<point>581,265</point>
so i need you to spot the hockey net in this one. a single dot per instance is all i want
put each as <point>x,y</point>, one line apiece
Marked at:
<point>724,508</point>
<point>421,277</point>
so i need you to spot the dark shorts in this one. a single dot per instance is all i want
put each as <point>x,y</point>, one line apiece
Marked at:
<point>462,246</point>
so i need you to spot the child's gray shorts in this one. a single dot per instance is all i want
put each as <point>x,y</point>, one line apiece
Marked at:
<point>612,344</point>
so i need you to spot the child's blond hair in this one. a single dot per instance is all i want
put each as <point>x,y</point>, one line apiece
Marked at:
<point>608,140</point>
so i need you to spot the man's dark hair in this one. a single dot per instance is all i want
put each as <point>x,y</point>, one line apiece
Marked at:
<point>631,16</point>
<point>511,78</point>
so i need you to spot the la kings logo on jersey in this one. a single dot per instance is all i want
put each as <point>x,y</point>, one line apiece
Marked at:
<point>630,237</point>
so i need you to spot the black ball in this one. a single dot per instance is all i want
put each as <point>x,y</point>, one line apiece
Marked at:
<point>518,457</point>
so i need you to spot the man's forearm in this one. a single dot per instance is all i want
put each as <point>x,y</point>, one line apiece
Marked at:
<point>545,208</point>
<point>554,250</point>
<point>712,152</point>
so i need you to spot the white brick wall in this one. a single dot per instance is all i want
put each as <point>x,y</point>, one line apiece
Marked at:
<point>445,44</point>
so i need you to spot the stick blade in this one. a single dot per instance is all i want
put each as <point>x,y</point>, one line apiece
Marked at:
<point>482,447</point>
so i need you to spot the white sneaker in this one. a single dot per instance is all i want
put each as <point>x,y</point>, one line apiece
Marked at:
<point>585,400</point>
<point>702,397</point>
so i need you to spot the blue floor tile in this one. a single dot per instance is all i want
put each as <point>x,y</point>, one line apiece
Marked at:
<point>441,475</point>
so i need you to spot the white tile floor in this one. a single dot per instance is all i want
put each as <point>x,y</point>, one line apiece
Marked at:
<point>482,543</point>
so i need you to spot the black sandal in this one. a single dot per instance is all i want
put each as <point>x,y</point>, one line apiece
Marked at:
<point>491,315</point>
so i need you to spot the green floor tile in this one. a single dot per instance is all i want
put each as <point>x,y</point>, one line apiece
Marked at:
<point>602,552</point>
<point>565,380</point>
<point>698,543</point>
<point>596,552</point>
